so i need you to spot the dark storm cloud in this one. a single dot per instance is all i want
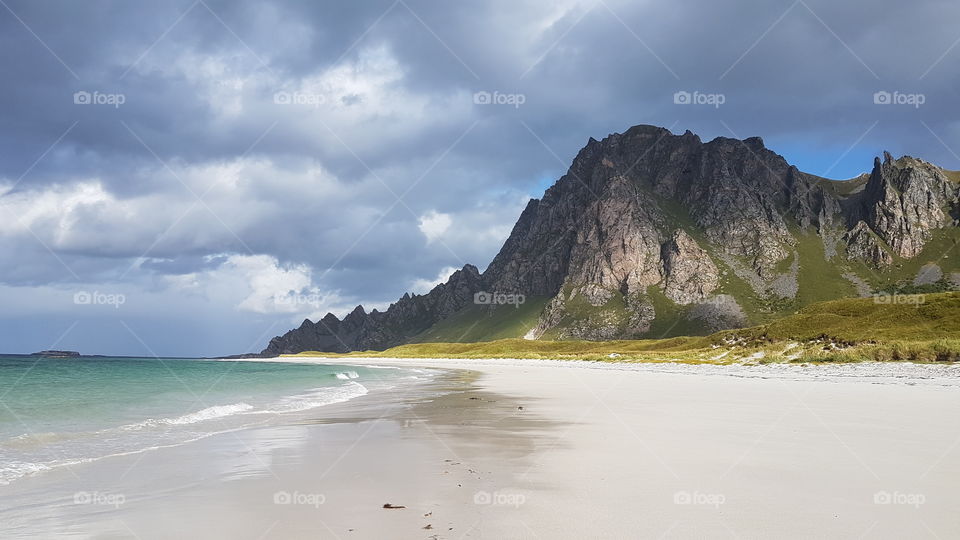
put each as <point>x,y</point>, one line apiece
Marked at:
<point>200,164</point>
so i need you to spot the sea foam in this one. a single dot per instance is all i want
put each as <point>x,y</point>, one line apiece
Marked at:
<point>318,397</point>
<point>210,413</point>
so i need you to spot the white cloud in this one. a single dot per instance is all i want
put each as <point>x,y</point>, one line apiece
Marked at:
<point>423,286</point>
<point>271,285</point>
<point>433,224</point>
<point>87,215</point>
<point>259,284</point>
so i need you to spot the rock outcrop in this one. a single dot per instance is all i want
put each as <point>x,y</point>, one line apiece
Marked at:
<point>904,201</point>
<point>689,274</point>
<point>864,244</point>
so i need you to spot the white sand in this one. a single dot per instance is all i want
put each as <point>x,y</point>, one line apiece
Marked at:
<point>765,452</point>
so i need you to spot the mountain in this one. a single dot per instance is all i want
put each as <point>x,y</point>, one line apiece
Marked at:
<point>651,234</point>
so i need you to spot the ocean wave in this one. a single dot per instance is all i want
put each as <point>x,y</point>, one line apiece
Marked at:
<point>10,471</point>
<point>32,440</point>
<point>210,413</point>
<point>318,397</point>
<point>12,468</point>
<point>347,375</point>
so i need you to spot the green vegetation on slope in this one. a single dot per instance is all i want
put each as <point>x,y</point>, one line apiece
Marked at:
<point>917,328</point>
<point>879,319</point>
<point>671,317</point>
<point>587,317</point>
<point>941,250</point>
<point>819,279</point>
<point>485,323</point>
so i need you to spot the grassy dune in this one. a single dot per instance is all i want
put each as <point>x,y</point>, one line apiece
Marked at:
<point>920,328</point>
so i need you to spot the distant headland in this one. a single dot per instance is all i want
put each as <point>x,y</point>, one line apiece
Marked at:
<point>56,354</point>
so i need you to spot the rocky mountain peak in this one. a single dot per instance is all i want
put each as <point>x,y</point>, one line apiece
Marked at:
<point>646,224</point>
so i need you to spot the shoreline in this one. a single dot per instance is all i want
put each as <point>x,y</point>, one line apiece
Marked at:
<point>877,372</point>
<point>556,449</point>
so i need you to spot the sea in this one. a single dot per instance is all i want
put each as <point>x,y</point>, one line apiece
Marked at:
<point>57,412</point>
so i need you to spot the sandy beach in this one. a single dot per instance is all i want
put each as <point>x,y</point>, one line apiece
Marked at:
<point>539,449</point>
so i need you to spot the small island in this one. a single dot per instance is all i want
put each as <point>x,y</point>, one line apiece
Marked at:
<point>57,354</point>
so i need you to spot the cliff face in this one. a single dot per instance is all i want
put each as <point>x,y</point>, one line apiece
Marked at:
<point>649,229</point>
<point>632,213</point>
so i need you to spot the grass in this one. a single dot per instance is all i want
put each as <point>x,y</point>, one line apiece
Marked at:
<point>819,279</point>
<point>487,323</point>
<point>942,250</point>
<point>922,328</point>
<point>671,317</point>
<point>881,319</point>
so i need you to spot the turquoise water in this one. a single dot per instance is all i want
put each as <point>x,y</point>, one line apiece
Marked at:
<point>56,412</point>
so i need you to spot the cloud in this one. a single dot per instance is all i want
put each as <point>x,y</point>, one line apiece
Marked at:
<point>423,286</point>
<point>434,224</point>
<point>273,288</point>
<point>204,194</point>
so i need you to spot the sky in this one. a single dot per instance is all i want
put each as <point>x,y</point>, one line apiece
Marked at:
<point>191,178</point>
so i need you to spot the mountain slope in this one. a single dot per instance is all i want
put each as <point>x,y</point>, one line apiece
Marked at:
<point>651,234</point>
<point>915,327</point>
